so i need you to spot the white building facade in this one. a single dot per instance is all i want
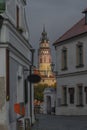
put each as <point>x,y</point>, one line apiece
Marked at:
<point>15,58</point>
<point>49,100</point>
<point>71,60</point>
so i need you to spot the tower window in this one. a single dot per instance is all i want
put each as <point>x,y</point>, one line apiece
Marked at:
<point>40,60</point>
<point>44,59</point>
<point>49,60</point>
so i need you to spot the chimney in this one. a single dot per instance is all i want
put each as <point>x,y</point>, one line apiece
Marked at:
<point>85,12</point>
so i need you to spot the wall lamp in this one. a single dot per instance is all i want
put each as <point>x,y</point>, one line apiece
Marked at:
<point>52,68</point>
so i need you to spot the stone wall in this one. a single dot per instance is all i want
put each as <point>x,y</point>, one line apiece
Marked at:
<point>2,104</point>
<point>2,93</point>
<point>3,127</point>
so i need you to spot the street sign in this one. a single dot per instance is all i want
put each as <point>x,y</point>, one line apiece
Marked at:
<point>34,78</point>
<point>19,108</point>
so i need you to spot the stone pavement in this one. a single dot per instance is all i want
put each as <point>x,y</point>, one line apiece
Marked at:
<point>52,122</point>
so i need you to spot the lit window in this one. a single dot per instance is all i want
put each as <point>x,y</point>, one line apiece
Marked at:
<point>49,60</point>
<point>44,59</point>
<point>40,60</point>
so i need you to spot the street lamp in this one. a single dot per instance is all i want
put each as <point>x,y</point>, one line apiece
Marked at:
<point>52,68</point>
<point>32,78</point>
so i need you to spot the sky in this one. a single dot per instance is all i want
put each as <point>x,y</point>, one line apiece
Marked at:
<point>57,15</point>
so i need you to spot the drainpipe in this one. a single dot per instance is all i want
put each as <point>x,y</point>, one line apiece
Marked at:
<point>32,61</point>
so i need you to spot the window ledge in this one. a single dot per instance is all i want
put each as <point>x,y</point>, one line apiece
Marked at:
<point>71,103</point>
<point>80,66</point>
<point>80,105</point>
<point>63,105</point>
<point>63,69</point>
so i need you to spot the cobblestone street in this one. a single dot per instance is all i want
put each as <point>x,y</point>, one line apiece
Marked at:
<point>52,122</point>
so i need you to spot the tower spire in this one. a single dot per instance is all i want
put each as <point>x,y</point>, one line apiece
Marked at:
<point>45,60</point>
<point>44,28</point>
<point>44,37</point>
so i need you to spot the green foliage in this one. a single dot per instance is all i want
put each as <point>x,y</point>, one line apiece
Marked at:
<point>38,91</point>
<point>54,86</point>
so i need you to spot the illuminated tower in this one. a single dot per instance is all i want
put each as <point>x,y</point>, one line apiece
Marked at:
<point>45,61</point>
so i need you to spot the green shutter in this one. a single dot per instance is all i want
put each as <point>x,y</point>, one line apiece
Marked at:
<point>2,6</point>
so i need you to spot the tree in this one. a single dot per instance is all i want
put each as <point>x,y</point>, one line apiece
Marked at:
<point>38,91</point>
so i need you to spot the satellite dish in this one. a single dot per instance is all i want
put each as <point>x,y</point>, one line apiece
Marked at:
<point>34,78</point>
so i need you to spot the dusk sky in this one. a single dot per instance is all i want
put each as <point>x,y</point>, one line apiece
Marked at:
<point>57,15</point>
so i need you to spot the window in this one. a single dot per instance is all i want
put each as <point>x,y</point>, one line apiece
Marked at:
<point>26,90</point>
<point>64,59</point>
<point>44,59</point>
<point>17,16</point>
<point>40,60</point>
<point>64,95</point>
<point>79,95</point>
<point>71,94</point>
<point>80,55</point>
<point>49,60</point>
<point>86,95</point>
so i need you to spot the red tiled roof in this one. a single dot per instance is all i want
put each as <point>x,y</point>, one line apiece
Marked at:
<point>76,30</point>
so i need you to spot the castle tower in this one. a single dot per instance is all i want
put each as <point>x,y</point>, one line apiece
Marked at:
<point>45,60</point>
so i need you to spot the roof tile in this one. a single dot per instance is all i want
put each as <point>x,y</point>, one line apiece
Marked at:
<point>77,29</point>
